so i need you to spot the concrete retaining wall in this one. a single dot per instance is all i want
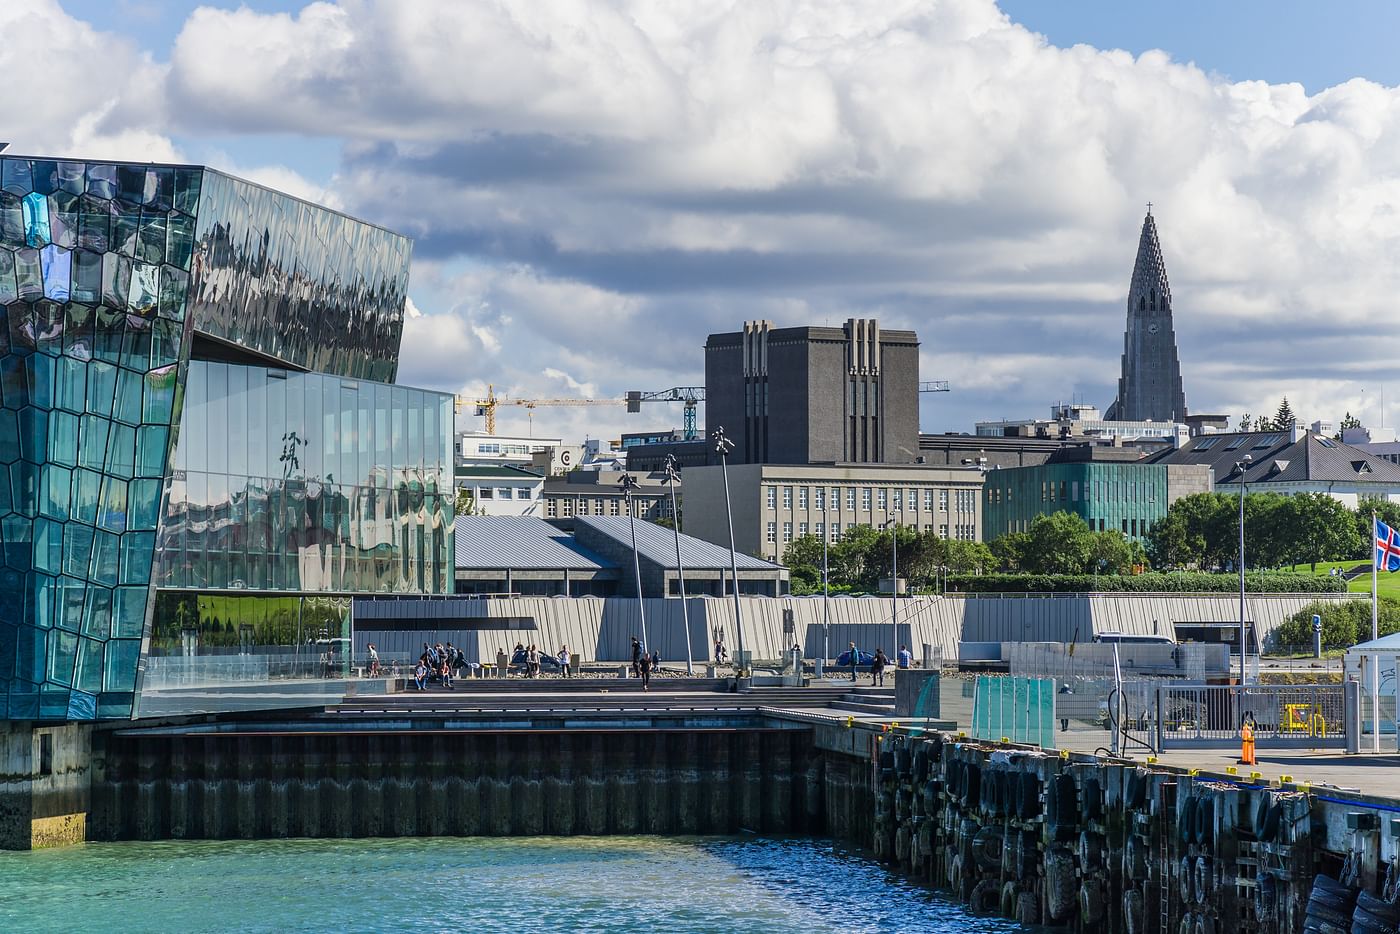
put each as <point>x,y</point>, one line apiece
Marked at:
<point>601,628</point>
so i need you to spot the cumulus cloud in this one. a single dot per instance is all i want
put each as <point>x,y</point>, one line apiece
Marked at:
<point>70,89</point>
<point>595,186</point>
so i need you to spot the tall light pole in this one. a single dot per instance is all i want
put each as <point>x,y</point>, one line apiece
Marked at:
<point>629,485</point>
<point>893,525</point>
<point>826,580</point>
<point>1240,467</point>
<point>722,447</point>
<point>673,477</point>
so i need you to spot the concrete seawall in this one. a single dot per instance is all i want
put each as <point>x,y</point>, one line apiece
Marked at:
<point>361,784</point>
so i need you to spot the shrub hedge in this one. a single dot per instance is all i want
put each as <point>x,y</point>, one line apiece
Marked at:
<point>1343,624</point>
<point>1152,582</point>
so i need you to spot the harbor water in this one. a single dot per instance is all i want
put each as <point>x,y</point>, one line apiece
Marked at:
<point>595,885</point>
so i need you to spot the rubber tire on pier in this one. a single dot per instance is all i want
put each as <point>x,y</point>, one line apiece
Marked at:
<point>1186,821</point>
<point>1061,896</point>
<point>985,898</point>
<point>1091,800</point>
<point>1091,901</point>
<point>1363,922</point>
<point>1183,880</point>
<point>1062,806</point>
<point>1135,857</point>
<point>1205,924</point>
<point>1134,912</point>
<point>1134,789</point>
<point>1028,796</point>
<point>972,786</point>
<point>1027,856</point>
<point>1266,818</point>
<point>987,848</point>
<point>1205,821</point>
<point>1202,880</point>
<point>1027,909</point>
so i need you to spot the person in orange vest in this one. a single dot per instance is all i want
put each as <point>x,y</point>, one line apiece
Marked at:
<point>1247,741</point>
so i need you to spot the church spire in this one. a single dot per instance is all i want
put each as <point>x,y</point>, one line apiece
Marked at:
<point>1150,385</point>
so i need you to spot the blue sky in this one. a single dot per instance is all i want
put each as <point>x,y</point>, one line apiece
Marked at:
<point>594,186</point>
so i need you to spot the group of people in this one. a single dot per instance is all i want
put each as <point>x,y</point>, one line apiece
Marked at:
<point>442,662</point>
<point>644,663</point>
<point>879,662</point>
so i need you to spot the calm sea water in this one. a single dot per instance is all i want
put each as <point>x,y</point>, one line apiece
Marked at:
<point>592,885</point>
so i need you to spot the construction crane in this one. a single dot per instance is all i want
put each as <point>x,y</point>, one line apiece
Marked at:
<point>690,396</point>
<point>486,407</point>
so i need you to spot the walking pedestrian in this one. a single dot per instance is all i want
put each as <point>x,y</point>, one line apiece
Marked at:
<point>636,657</point>
<point>855,660</point>
<point>877,668</point>
<point>532,660</point>
<point>906,657</point>
<point>564,660</point>
<point>373,661</point>
<point>644,667</point>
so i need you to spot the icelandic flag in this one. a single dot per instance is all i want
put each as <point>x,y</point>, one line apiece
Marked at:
<point>1387,548</point>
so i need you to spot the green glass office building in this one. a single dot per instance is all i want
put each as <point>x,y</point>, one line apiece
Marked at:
<point>1126,495</point>
<point>203,454</point>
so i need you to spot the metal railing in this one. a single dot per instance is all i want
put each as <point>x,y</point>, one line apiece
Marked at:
<point>1305,716</point>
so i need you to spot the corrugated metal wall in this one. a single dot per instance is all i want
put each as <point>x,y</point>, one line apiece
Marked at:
<point>601,628</point>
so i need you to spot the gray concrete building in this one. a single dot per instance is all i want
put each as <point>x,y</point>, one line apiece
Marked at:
<point>499,555</point>
<point>814,394</point>
<point>599,493</point>
<point>774,504</point>
<point>1149,388</point>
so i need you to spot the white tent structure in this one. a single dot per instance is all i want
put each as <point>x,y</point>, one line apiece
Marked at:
<point>1374,665</point>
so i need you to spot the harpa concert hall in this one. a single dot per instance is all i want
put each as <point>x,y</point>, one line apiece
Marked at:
<point>203,455</point>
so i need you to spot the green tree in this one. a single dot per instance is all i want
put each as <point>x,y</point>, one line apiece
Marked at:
<point>1010,550</point>
<point>465,503</point>
<point>1319,528</point>
<point>1246,422</point>
<point>1112,552</point>
<point>1059,543</point>
<point>1348,421</point>
<point>1284,419</point>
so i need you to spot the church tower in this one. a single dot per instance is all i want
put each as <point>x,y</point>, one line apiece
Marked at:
<point>1150,387</point>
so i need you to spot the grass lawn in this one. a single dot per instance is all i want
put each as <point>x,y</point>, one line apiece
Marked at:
<point>1387,582</point>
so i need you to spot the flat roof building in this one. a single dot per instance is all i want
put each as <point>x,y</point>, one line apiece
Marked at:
<point>1110,488</point>
<point>814,394</point>
<point>593,557</point>
<point>774,504</point>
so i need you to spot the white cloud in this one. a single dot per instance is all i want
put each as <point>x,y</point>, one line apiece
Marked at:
<point>626,177</point>
<point>71,90</point>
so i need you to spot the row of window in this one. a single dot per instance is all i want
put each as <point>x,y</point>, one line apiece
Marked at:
<point>963,532</point>
<point>1068,491</point>
<point>504,492</point>
<point>1133,528</point>
<point>580,506</point>
<point>820,498</point>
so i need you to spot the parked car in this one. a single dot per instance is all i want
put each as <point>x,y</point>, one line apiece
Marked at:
<point>844,659</point>
<point>547,662</point>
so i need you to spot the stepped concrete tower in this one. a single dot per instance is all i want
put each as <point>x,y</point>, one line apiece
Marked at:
<point>1150,387</point>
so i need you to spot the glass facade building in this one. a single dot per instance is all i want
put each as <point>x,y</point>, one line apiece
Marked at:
<point>196,403</point>
<point>1129,497</point>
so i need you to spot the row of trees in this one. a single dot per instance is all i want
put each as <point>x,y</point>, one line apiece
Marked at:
<point>1202,531</point>
<point>1285,419</point>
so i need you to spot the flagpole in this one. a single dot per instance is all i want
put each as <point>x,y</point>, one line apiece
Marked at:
<point>1375,668</point>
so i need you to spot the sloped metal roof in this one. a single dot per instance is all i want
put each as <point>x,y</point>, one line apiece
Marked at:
<point>521,543</point>
<point>657,544</point>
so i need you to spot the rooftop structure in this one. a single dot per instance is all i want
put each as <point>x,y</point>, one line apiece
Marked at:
<point>592,556</point>
<point>1150,386</point>
<point>1293,461</point>
<point>1080,421</point>
<point>814,394</point>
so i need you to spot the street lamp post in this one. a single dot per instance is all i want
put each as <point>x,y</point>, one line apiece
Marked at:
<point>893,526</point>
<point>826,580</point>
<point>673,477</point>
<point>1240,467</point>
<point>722,447</point>
<point>629,484</point>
